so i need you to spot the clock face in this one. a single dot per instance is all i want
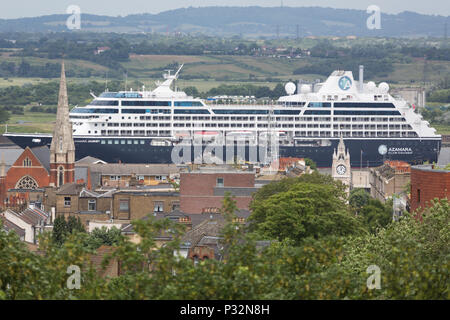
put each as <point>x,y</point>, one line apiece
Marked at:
<point>341,169</point>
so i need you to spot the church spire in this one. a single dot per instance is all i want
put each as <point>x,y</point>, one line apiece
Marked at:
<point>62,148</point>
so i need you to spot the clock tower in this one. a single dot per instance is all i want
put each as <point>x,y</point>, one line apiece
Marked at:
<point>341,169</point>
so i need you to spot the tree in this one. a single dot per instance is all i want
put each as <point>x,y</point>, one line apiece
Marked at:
<point>286,183</point>
<point>310,163</point>
<point>103,236</point>
<point>304,210</point>
<point>74,225</point>
<point>358,198</point>
<point>192,91</point>
<point>63,228</point>
<point>376,215</point>
<point>4,115</point>
<point>59,230</point>
<point>412,255</point>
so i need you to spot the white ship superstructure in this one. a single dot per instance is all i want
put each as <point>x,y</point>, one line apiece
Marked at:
<point>308,123</point>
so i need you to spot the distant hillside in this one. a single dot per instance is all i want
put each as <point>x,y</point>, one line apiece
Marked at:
<point>245,21</point>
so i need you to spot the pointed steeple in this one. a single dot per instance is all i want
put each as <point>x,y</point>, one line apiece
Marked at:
<point>341,145</point>
<point>62,148</point>
<point>62,134</point>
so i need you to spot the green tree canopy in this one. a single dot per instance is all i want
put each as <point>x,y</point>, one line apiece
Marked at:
<point>304,210</point>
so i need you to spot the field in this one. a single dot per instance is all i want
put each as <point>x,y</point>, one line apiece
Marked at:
<point>30,122</point>
<point>441,129</point>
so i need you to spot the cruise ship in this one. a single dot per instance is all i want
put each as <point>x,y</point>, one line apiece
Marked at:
<point>142,126</point>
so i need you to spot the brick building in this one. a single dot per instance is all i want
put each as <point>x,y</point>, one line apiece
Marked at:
<point>389,179</point>
<point>74,199</point>
<point>206,188</point>
<point>124,205</point>
<point>427,184</point>
<point>136,204</point>
<point>25,178</point>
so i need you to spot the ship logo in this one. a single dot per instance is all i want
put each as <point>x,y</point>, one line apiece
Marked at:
<point>345,83</point>
<point>382,149</point>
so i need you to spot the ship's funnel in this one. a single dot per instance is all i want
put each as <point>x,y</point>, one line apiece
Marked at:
<point>361,78</point>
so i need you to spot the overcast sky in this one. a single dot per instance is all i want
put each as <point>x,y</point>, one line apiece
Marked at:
<point>32,8</point>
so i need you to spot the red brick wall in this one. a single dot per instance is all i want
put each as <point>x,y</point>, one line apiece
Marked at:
<point>36,171</point>
<point>192,204</point>
<point>69,172</point>
<point>432,184</point>
<point>202,184</point>
<point>197,190</point>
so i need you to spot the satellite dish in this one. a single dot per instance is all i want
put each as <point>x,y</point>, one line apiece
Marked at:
<point>371,86</point>
<point>290,88</point>
<point>305,88</point>
<point>384,87</point>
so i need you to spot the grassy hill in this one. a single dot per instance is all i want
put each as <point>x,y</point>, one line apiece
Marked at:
<point>253,21</point>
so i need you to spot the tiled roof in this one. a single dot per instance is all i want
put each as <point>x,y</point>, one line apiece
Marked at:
<point>89,160</point>
<point>70,189</point>
<point>81,173</point>
<point>10,154</point>
<point>99,256</point>
<point>32,216</point>
<point>8,226</point>
<point>43,155</point>
<point>138,169</point>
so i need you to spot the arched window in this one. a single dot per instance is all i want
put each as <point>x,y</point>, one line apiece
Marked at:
<point>60,176</point>
<point>27,182</point>
<point>27,162</point>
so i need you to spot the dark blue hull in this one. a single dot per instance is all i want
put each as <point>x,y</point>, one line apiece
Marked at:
<point>363,152</point>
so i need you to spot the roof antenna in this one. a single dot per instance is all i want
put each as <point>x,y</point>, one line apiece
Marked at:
<point>126,79</point>
<point>106,81</point>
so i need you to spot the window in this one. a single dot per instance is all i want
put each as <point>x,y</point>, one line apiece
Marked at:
<point>140,178</point>
<point>418,195</point>
<point>141,103</point>
<point>319,105</point>
<point>188,104</point>
<point>27,162</point>
<point>124,205</point>
<point>60,176</point>
<point>160,178</point>
<point>27,182</point>
<point>219,182</point>
<point>114,178</point>
<point>159,206</point>
<point>92,205</point>
<point>195,258</point>
<point>66,201</point>
<point>175,206</point>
